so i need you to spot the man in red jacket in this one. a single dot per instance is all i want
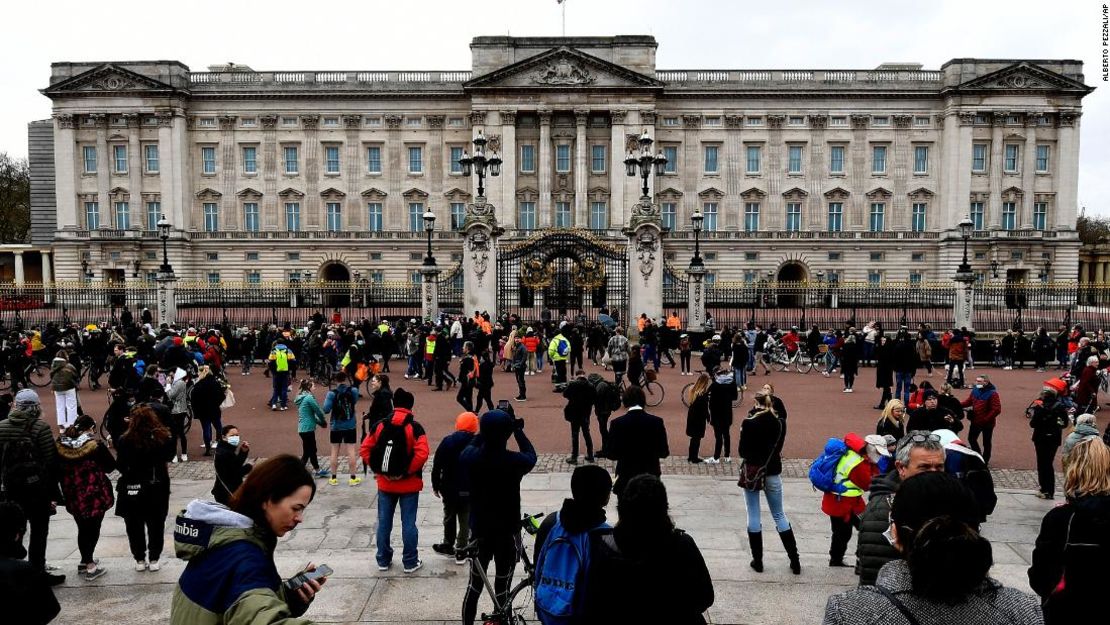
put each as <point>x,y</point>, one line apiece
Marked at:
<point>985,406</point>
<point>856,469</point>
<point>393,489</point>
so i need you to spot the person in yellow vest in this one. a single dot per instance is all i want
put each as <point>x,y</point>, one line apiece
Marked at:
<point>383,327</point>
<point>854,472</point>
<point>281,358</point>
<point>557,352</point>
<point>429,355</point>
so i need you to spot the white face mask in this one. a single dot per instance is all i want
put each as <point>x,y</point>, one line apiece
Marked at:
<point>233,441</point>
<point>978,386</point>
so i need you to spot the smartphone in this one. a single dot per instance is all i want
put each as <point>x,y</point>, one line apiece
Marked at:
<point>301,579</point>
<point>503,404</point>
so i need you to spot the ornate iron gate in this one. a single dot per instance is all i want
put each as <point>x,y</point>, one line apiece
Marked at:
<point>560,273</point>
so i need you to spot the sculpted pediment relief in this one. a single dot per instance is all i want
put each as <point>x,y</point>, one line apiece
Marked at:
<point>1023,77</point>
<point>107,78</point>
<point>563,68</point>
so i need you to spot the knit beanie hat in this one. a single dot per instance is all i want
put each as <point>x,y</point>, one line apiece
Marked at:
<point>467,422</point>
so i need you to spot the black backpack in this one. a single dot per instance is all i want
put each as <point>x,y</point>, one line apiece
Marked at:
<point>344,408</point>
<point>24,476</point>
<point>391,455</point>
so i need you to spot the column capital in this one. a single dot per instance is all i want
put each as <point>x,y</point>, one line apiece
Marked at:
<point>860,121</point>
<point>393,122</point>
<point>647,117</point>
<point>1067,119</point>
<point>775,122</point>
<point>903,122</point>
<point>352,122</point>
<point>227,122</point>
<point>545,117</point>
<point>65,121</point>
<point>435,122</point>
<point>691,121</point>
<point>310,121</point>
<point>269,122</point>
<point>967,118</point>
<point>816,122</point>
<point>508,118</point>
<point>998,118</point>
<point>477,118</point>
<point>581,116</point>
<point>618,115</point>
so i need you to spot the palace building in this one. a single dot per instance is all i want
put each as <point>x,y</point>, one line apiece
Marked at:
<point>847,175</point>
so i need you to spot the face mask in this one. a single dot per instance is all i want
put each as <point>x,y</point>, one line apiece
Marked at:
<point>362,342</point>
<point>233,441</point>
<point>978,386</point>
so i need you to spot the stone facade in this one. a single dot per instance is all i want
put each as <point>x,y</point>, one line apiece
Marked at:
<point>862,175</point>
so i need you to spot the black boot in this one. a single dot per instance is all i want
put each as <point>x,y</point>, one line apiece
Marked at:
<point>791,546</point>
<point>755,541</point>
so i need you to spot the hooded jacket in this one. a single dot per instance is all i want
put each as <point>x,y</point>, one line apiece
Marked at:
<point>417,440</point>
<point>63,376</point>
<point>230,578</point>
<point>1069,557</point>
<point>85,465</point>
<point>872,548</point>
<point>309,414</point>
<point>985,406</point>
<point>491,475</point>
<point>1077,435</point>
<point>445,465</point>
<point>24,419</point>
<point>575,517</point>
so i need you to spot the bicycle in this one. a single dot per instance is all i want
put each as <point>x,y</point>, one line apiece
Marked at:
<point>653,390</point>
<point>35,373</point>
<point>323,372</point>
<point>507,613</point>
<point>736,402</point>
<point>781,360</point>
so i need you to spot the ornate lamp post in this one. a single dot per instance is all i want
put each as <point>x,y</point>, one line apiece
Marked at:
<point>167,302</point>
<point>429,227</point>
<point>164,234</point>
<point>964,306</point>
<point>429,297</point>
<point>644,162</point>
<point>965,232</point>
<point>479,162</point>
<point>696,219</point>
<point>695,303</point>
<point>86,273</point>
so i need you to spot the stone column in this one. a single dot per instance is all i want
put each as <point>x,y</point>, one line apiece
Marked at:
<point>1100,271</point>
<point>813,217</point>
<point>734,164</point>
<point>104,166</point>
<point>1067,169</point>
<point>18,267</point>
<point>268,209</point>
<point>229,216</point>
<point>645,284</point>
<point>1083,277</point>
<point>1028,173</point>
<point>310,209</point>
<point>429,293</point>
<point>690,172</point>
<point>507,151</point>
<point>617,152</point>
<point>167,298</point>
<point>695,305</point>
<point>354,207</point>
<point>994,209</point>
<point>135,171</point>
<point>771,209</point>
<point>898,210</point>
<point>480,258</point>
<point>860,168</point>
<point>581,173</point>
<point>955,184</point>
<point>47,278</point>
<point>964,309</point>
<point>394,213</point>
<point>544,172</point>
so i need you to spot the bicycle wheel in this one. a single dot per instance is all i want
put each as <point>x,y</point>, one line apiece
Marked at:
<point>686,394</point>
<point>781,363</point>
<point>38,375</point>
<point>654,392</point>
<point>803,363</point>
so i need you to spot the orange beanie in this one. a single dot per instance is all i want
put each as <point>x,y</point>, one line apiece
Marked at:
<point>467,422</point>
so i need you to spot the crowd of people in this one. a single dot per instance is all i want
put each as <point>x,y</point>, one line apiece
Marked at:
<point>915,491</point>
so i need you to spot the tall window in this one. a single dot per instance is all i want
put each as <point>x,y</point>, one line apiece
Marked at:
<point>527,158</point>
<point>669,216</point>
<point>979,157</point>
<point>597,159</point>
<point>213,277</point>
<point>976,214</point>
<point>1040,215</point>
<point>599,216</point>
<point>878,216</point>
<point>917,221</point>
<point>878,159</point>
<point>291,164</point>
<point>1009,215</point>
<point>254,277</point>
<point>751,216</point>
<point>250,160</point>
<point>836,159</point>
<point>793,216</point>
<point>151,152</point>
<point>836,216</point>
<point>331,159</point>
<point>1042,158</point>
<point>416,216</point>
<point>753,159</point>
<point>562,158</point>
<point>153,214</point>
<point>670,152</point>
<point>208,160</point>
<point>458,215</point>
<point>292,216</point>
<point>250,216</point>
<point>377,276</point>
<point>794,159</point>
<point>374,212</point>
<point>1010,158</point>
<point>211,217</point>
<point>562,214</point>
<point>711,159</point>
<point>416,160</point>
<point>92,215</point>
<point>915,278</point>
<point>709,214</point>
<point>455,154</point>
<point>89,152</point>
<point>374,159</point>
<point>921,159</point>
<point>874,278</point>
<point>527,218</point>
<point>119,157</point>
<point>335,216</point>
<point>123,216</point>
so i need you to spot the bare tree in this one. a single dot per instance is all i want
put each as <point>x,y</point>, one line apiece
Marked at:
<point>1093,230</point>
<point>15,199</point>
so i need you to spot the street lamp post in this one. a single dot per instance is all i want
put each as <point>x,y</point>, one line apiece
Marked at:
<point>696,219</point>
<point>965,232</point>
<point>645,163</point>
<point>695,302</point>
<point>429,296</point>
<point>479,162</point>
<point>167,302</point>
<point>965,280</point>
<point>429,227</point>
<point>164,234</point>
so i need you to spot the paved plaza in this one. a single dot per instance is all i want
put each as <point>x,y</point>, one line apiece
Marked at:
<point>339,530</point>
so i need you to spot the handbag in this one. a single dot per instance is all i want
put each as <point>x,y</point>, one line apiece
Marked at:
<point>754,477</point>
<point>229,400</point>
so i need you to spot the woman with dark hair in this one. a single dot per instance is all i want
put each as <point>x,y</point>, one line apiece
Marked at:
<point>697,415</point>
<point>646,570</point>
<point>230,463</point>
<point>144,485</point>
<point>85,465</point>
<point>762,434</point>
<point>207,395</point>
<point>942,576</point>
<point>722,393</point>
<point>1070,555</point>
<point>232,549</point>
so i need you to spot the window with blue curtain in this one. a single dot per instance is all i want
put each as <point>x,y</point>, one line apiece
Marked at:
<point>670,152</point>
<point>89,152</point>
<point>753,159</point>
<point>291,164</point>
<point>669,215</point>
<point>711,159</point>
<point>208,160</point>
<point>921,159</point>
<point>1010,158</point>
<point>878,217</point>
<point>153,215</point>
<point>918,222</point>
<point>374,222</point>
<point>976,214</point>
<point>836,159</point>
<point>1042,158</point>
<point>794,159</point>
<point>292,216</point>
<point>597,159</point>
<point>458,215</point>
<point>120,153</point>
<point>751,216</point>
<point>123,216</point>
<point>1040,215</point>
<point>211,217</point>
<point>1009,215</point>
<point>599,216</point>
<point>250,216</point>
<point>152,158</point>
<point>250,160</point>
<point>374,159</point>
<point>836,216</point>
<point>456,154</point>
<point>709,216</point>
<point>335,216</point>
<point>331,159</point>
<point>527,158</point>
<point>793,216</point>
<point>92,215</point>
<point>527,218</point>
<point>562,158</point>
<point>979,157</point>
<point>878,159</point>
<point>416,160</point>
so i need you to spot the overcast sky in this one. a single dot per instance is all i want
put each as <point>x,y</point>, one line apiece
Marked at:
<point>415,34</point>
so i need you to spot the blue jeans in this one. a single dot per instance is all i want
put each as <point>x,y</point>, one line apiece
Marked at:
<point>387,503</point>
<point>773,491</point>
<point>902,387</point>
<point>281,389</point>
<point>740,376</point>
<point>206,426</point>
<point>831,362</point>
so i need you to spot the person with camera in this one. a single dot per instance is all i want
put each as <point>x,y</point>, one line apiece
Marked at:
<point>491,476</point>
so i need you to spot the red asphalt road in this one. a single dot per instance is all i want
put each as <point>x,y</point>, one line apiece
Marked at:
<point>817,410</point>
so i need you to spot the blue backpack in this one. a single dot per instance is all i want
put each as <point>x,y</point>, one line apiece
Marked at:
<point>822,473</point>
<point>560,571</point>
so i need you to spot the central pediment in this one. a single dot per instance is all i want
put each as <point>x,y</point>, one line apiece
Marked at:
<point>1023,77</point>
<point>108,79</point>
<point>563,68</point>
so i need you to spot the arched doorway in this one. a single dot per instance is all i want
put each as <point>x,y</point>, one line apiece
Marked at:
<point>336,278</point>
<point>791,293</point>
